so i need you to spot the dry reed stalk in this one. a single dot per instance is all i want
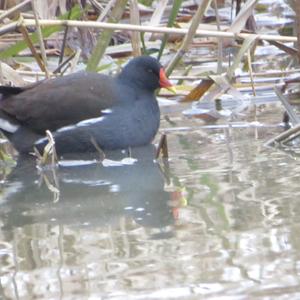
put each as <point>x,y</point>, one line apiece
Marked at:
<point>33,73</point>
<point>40,37</point>
<point>189,36</point>
<point>11,75</point>
<point>154,29</point>
<point>97,5</point>
<point>26,37</point>
<point>258,74</point>
<point>106,10</point>
<point>243,15</point>
<point>156,16</point>
<point>63,64</point>
<point>297,11</point>
<point>74,61</point>
<point>220,41</point>
<point>273,73</point>
<point>135,19</point>
<point>106,35</point>
<point>1,75</point>
<point>13,9</point>
<point>251,71</point>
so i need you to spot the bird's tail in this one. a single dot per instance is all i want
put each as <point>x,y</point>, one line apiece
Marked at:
<point>21,137</point>
<point>7,124</point>
<point>10,90</point>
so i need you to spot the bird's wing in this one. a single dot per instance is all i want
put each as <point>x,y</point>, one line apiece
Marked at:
<point>60,102</point>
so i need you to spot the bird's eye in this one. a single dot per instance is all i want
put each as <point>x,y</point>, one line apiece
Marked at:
<point>151,71</point>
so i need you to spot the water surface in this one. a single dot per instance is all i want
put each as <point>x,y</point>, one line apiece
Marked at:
<point>220,222</point>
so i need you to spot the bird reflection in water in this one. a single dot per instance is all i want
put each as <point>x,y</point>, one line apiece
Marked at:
<point>90,194</point>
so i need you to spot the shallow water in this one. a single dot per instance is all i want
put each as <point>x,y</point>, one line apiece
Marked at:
<point>220,222</point>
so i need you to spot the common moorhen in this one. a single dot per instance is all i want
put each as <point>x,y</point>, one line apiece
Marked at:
<point>83,108</point>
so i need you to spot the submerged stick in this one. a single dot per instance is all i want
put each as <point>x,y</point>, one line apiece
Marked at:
<point>295,120</point>
<point>162,147</point>
<point>98,148</point>
<point>287,135</point>
<point>291,133</point>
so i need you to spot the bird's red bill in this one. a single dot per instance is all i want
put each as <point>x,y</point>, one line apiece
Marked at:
<point>163,80</point>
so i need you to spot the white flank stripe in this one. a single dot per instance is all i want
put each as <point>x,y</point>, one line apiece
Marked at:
<point>41,140</point>
<point>70,128</point>
<point>90,121</point>
<point>106,111</point>
<point>7,126</point>
<point>66,128</point>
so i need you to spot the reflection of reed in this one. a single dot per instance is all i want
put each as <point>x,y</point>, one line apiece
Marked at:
<point>51,183</point>
<point>60,239</point>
